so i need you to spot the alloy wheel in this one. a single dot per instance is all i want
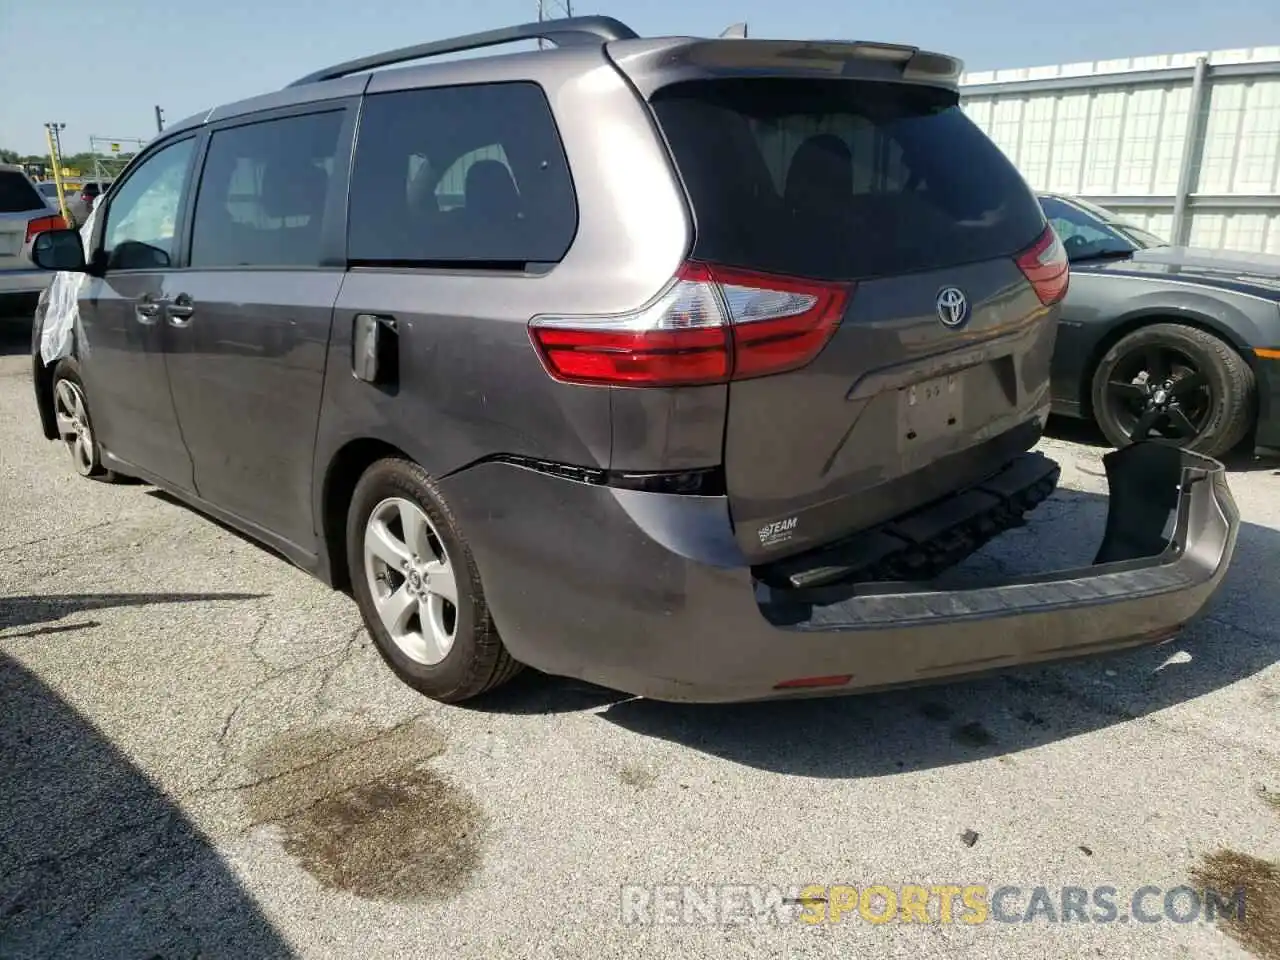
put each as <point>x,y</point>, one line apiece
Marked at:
<point>71,414</point>
<point>1159,392</point>
<point>411,579</point>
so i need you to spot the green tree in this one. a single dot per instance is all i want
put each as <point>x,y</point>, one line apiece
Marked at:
<point>111,163</point>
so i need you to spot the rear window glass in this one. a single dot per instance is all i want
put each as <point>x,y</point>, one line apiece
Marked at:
<point>16,194</point>
<point>263,192</point>
<point>460,175</point>
<point>841,179</point>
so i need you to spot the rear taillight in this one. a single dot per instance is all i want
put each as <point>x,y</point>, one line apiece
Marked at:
<point>1045,265</point>
<point>41,224</point>
<point>711,324</point>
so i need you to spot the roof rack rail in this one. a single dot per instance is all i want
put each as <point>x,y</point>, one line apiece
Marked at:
<point>562,32</point>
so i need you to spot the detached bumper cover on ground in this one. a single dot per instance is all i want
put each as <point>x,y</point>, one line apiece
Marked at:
<point>1146,582</point>
<point>704,629</point>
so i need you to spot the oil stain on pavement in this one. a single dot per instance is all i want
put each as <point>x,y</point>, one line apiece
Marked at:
<point>1227,871</point>
<point>362,812</point>
<point>637,776</point>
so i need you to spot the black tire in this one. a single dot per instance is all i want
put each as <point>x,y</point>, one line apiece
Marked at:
<point>478,661</point>
<point>67,370</point>
<point>1217,402</point>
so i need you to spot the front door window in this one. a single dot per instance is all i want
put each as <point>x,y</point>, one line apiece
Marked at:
<point>141,228</point>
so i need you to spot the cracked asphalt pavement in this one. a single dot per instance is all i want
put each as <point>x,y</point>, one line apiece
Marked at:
<point>203,756</point>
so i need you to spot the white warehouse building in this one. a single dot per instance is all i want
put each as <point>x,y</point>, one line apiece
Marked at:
<point>1187,145</point>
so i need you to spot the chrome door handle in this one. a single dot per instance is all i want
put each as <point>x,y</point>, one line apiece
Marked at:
<point>180,310</point>
<point>146,309</point>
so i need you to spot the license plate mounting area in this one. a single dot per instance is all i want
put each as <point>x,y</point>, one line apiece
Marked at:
<point>930,409</point>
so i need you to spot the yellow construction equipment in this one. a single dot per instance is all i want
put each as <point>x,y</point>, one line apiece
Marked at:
<point>56,162</point>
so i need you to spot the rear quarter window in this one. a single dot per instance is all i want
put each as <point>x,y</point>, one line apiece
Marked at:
<point>467,175</point>
<point>841,179</point>
<point>17,195</point>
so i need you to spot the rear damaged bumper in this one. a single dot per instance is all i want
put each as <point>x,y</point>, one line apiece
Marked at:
<point>648,594</point>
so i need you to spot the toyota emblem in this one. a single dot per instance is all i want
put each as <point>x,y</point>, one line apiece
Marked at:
<point>952,306</point>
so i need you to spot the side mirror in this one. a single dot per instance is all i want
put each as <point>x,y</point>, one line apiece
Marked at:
<point>59,250</point>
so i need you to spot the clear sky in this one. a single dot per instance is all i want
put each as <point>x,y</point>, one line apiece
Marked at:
<point>100,66</point>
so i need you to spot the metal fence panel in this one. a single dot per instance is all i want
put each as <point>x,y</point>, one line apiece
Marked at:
<point>1116,132</point>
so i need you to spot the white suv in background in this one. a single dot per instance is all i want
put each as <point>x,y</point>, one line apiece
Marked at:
<point>24,212</point>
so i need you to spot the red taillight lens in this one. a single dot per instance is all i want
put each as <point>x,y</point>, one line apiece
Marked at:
<point>778,323</point>
<point>679,338</point>
<point>1045,264</point>
<point>710,325</point>
<point>41,224</point>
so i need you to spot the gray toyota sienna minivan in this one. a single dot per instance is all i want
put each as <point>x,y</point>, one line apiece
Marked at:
<point>680,365</point>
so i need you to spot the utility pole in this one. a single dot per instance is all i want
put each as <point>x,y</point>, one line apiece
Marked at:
<point>553,10</point>
<point>52,134</point>
<point>159,119</point>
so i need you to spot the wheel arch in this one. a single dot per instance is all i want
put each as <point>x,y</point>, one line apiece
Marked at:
<point>344,470</point>
<point>1149,317</point>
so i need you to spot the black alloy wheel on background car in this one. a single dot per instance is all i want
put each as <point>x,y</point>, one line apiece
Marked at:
<point>1176,384</point>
